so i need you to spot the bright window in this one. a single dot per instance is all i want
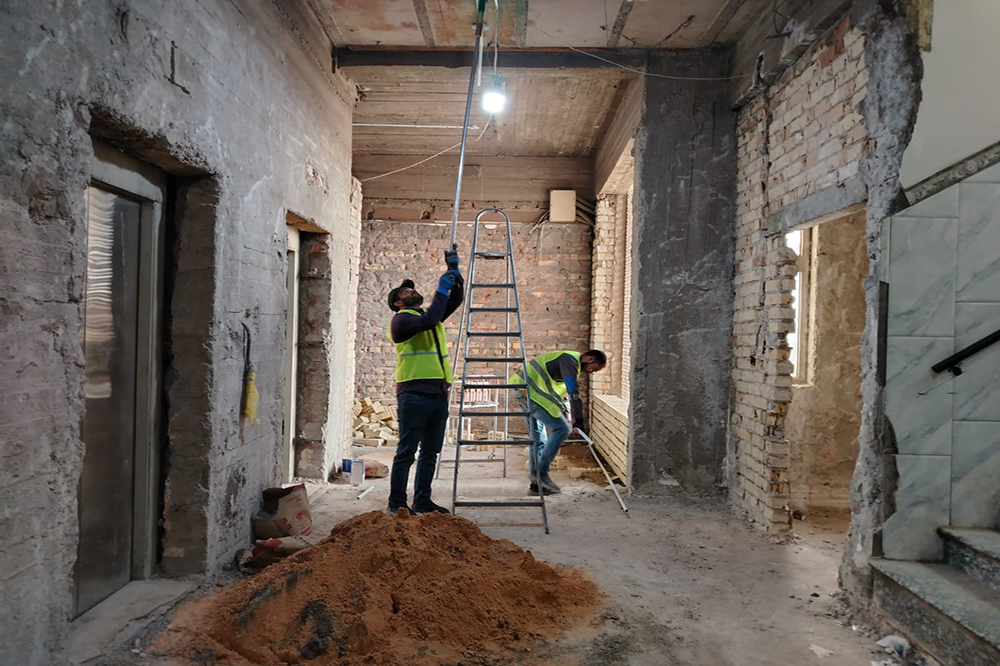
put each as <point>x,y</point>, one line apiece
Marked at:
<point>800,242</point>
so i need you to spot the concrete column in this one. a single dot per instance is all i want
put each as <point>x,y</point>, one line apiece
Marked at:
<point>682,272</point>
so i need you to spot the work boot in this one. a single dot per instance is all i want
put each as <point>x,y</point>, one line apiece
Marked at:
<point>549,484</point>
<point>533,489</point>
<point>393,510</point>
<point>429,507</point>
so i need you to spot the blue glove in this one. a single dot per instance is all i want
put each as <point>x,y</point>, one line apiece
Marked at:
<point>459,280</point>
<point>451,259</point>
<point>446,282</point>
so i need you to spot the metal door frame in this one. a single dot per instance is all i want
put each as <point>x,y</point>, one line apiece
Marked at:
<point>116,172</point>
<point>290,407</point>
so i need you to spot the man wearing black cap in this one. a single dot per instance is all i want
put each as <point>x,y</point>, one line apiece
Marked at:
<point>423,376</point>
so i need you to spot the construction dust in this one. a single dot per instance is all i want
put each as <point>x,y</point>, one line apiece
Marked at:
<point>426,590</point>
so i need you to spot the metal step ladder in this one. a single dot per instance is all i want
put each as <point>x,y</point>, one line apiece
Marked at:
<point>483,283</point>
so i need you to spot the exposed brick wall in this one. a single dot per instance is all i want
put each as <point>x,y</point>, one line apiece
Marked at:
<point>553,264</point>
<point>605,307</point>
<point>804,134</point>
<point>626,364</point>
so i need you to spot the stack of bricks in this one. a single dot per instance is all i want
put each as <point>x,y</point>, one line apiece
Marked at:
<point>805,133</point>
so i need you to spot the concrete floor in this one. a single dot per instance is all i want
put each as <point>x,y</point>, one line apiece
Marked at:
<point>688,584</point>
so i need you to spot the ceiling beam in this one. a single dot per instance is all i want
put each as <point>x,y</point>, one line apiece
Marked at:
<point>346,58</point>
<point>520,23</point>
<point>425,22</point>
<point>721,20</point>
<point>620,20</point>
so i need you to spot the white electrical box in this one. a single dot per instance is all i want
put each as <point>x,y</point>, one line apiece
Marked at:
<point>562,205</point>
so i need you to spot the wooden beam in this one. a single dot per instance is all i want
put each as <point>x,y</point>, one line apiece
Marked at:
<point>616,32</point>
<point>521,23</point>
<point>420,7</point>
<point>460,58</point>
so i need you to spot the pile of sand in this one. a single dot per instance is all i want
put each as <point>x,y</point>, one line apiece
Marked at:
<point>382,591</point>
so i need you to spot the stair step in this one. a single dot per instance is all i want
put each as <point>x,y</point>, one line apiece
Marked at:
<point>492,309</point>
<point>492,255</point>
<point>955,618</point>
<point>494,359</point>
<point>974,551</point>
<point>493,285</point>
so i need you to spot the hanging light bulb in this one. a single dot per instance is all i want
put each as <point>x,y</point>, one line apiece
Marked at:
<point>493,97</point>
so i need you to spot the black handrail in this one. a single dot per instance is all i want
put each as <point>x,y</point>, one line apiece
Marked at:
<point>952,361</point>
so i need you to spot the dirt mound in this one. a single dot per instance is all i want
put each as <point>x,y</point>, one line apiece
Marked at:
<point>380,591</point>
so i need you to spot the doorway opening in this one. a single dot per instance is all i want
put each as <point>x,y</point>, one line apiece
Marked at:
<point>824,416</point>
<point>120,490</point>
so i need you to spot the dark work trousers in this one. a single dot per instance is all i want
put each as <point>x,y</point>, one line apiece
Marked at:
<point>422,421</point>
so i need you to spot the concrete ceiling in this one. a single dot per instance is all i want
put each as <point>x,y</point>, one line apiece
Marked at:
<point>540,23</point>
<point>550,112</point>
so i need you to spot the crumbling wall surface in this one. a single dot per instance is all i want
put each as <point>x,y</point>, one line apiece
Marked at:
<point>890,109</point>
<point>825,414</point>
<point>682,270</point>
<point>234,99</point>
<point>553,276</point>
<point>800,145</point>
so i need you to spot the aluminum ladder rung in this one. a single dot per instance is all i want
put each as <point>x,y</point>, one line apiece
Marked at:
<point>494,442</point>
<point>494,359</point>
<point>493,386</point>
<point>493,334</point>
<point>540,503</point>
<point>466,412</point>
<point>492,309</point>
<point>493,285</point>
<point>491,255</point>
<point>472,461</point>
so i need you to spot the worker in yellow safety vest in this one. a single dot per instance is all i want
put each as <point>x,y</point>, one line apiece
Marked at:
<point>423,377</point>
<point>550,378</point>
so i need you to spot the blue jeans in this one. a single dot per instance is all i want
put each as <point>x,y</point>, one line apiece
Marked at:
<point>539,422</point>
<point>422,421</point>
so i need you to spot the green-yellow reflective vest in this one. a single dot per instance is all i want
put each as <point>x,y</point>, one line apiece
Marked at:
<point>543,389</point>
<point>424,356</point>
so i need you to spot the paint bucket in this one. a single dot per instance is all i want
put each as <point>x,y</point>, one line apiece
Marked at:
<point>357,472</point>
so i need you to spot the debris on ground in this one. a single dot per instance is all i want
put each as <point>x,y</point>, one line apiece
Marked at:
<point>821,651</point>
<point>382,591</point>
<point>895,645</point>
<point>282,526</point>
<point>375,424</point>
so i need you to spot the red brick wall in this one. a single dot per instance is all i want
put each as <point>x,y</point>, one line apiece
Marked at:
<point>805,133</point>
<point>553,271</point>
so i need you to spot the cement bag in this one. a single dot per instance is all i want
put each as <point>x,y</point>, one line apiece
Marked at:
<point>285,513</point>
<point>375,469</point>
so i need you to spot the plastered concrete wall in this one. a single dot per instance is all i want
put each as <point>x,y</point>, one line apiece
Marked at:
<point>825,414</point>
<point>553,265</point>
<point>237,101</point>
<point>682,272</point>
<point>805,134</point>
<point>959,73</point>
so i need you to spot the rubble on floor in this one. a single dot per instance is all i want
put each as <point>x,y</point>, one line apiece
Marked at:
<point>381,591</point>
<point>375,424</point>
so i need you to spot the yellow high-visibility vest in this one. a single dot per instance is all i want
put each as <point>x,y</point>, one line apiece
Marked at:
<point>424,356</point>
<point>543,389</point>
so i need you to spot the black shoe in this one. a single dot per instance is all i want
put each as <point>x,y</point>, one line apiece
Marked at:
<point>550,485</point>
<point>533,489</point>
<point>429,507</point>
<point>392,510</point>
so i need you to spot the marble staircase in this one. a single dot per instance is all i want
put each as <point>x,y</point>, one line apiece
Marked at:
<point>950,609</point>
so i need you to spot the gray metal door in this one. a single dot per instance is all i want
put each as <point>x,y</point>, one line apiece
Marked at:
<point>104,562</point>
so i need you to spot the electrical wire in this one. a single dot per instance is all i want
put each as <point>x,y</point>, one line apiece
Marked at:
<point>428,159</point>
<point>639,71</point>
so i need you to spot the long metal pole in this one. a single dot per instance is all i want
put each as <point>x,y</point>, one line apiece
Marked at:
<point>590,445</point>
<point>481,10</point>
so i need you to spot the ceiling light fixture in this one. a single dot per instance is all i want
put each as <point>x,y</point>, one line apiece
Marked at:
<point>493,97</point>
